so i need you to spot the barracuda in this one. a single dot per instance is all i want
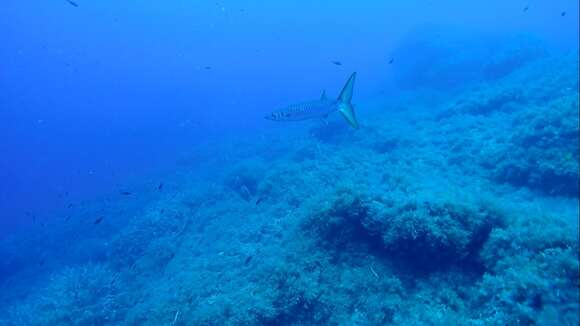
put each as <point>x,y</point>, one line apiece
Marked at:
<point>321,108</point>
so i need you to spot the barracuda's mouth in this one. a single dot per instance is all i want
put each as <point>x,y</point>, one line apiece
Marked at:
<point>274,116</point>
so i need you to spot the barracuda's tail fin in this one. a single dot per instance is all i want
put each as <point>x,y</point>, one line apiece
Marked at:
<point>346,108</point>
<point>346,93</point>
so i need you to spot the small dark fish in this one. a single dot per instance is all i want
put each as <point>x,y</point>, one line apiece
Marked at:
<point>72,3</point>
<point>162,211</point>
<point>338,63</point>
<point>261,199</point>
<point>207,67</point>
<point>160,186</point>
<point>125,193</point>
<point>563,13</point>
<point>526,8</point>
<point>391,61</point>
<point>248,260</point>
<point>98,221</point>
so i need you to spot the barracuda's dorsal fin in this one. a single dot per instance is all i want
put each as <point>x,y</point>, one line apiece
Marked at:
<point>323,96</point>
<point>345,108</point>
<point>346,94</point>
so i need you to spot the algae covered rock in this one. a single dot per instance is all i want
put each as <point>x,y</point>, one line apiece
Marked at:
<point>432,235</point>
<point>244,179</point>
<point>542,152</point>
<point>425,235</point>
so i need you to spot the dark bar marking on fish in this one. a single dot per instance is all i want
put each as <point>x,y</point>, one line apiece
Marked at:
<point>125,193</point>
<point>338,63</point>
<point>98,221</point>
<point>72,3</point>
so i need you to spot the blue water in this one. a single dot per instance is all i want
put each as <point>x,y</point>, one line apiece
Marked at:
<point>141,185</point>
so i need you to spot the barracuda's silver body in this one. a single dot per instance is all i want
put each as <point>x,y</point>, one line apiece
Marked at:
<point>320,108</point>
<point>305,110</point>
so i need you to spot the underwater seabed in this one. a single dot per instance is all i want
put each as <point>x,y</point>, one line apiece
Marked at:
<point>461,214</point>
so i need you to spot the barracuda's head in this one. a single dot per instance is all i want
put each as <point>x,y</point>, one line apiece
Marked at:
<point>275,116</point>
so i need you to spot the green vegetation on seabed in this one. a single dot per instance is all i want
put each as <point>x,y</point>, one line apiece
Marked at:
<point>463,214</point>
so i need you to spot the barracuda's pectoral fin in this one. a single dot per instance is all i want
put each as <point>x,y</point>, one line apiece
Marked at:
<point>345,108</point>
